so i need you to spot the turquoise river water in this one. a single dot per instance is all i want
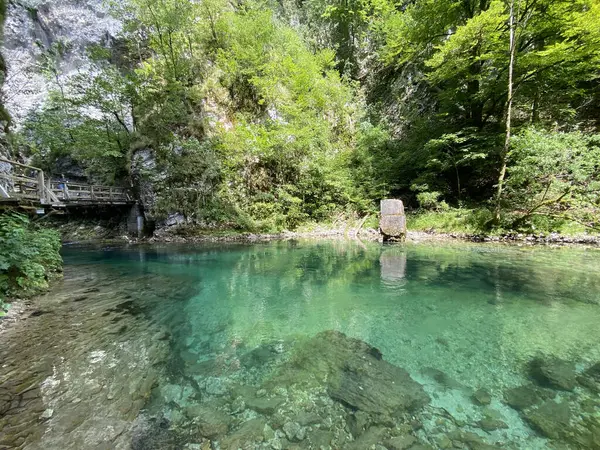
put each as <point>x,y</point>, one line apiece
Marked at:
<point>308,345</point>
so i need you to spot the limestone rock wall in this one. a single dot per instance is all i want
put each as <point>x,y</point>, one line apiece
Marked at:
<point>32,27</point>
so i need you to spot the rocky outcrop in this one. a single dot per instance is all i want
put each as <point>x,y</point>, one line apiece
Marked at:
<point>143,174</point>
<point>32,28</point>
<point>4,116</point>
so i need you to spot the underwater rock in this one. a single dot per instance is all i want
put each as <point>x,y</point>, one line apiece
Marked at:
<point>321,438</point>
<point>550,418</point>
<point>359,377</point>
<point>215,386</point>
<point>369,439</point>
<point>268,432</point>
<point>294,432</point>
<point>482,397</point>
<point>151,434</point>
<point>259,356</point>
<point>307,418</point>
<point>264,405</point>
<point>556,373</point>
<point>238,405</point>
<point>565,421</point>
<point>358,423</point>
<point>443,379</point>
<point>490,424</point>
<point>203,368</point>
<point>525,396</point>
<point>589,383</point>
<point>591,378</point>
<point>354,374</point>
<point>471,440</point>
<point>246,436</point>
<point>400,442</point>
<point>443,442</point>
<point>176,393</point>
<point>211,422</point>
<point>593,372</point>
<point>588,433</point>
<point>376,388</point>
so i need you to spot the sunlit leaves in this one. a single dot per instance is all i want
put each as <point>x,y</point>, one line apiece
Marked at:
<point>28,256</point>
<point>556,174</point>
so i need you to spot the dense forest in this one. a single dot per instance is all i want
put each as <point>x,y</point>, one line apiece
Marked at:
<point>264,115</point>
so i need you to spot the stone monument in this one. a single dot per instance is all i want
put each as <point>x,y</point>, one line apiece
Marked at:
<point>392,224</point>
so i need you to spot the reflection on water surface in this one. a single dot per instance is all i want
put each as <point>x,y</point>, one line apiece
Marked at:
<point>309,345</point>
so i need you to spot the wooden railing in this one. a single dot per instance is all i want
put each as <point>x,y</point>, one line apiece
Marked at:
<point>22,182</point>
<point>73,192</point>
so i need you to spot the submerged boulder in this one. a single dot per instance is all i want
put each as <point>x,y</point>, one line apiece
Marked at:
<point>354,374</point>
<point>482,397</point>
<point>259,356</point>
<point>554,372</point>
<point>590,378</point>
<point>525,396</point>
<point>264,405</point>
<point>248,435</point>
<point>211,422</point>
<point>570,418</point>
<point>550,418</point>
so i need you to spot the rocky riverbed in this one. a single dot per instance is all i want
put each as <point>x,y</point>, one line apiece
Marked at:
<point>334,392</point>
<point>79,363</point>
<point>148,350</point>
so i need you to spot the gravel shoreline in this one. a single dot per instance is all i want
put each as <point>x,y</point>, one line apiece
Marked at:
<point>94,233</point>
<point>370,234</point>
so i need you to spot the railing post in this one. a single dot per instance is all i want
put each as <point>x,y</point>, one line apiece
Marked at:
<point>41,186</point>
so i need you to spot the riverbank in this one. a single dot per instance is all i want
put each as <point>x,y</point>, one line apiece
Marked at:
<point>373,235</point>
<point>95,232</point>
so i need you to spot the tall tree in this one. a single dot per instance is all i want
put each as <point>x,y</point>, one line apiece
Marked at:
<point>509,101</point>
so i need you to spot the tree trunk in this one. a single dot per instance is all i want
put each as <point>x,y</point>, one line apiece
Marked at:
<point>508,114</point>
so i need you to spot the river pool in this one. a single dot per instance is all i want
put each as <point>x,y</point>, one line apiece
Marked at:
<point>309,345</point>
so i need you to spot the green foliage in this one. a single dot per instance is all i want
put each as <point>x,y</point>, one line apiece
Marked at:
<point>451,220</point>
<point>265,115</point>
<point>88,125</point>
<point>285,121</point>
<point>453,55</point>
<point>431,201</point>
<point>28,256</point>
<point>555,175</point>
<point>190,181</point>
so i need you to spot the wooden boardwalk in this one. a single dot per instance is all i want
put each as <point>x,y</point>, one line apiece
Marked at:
<point>23,184</point>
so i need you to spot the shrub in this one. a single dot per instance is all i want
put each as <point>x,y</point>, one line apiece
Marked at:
<point>554,178</point>
<point>431,200</point>
<point>28,257</point>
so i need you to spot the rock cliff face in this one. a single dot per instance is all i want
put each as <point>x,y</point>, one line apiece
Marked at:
<point>32,29</point>
<point>4,117</point>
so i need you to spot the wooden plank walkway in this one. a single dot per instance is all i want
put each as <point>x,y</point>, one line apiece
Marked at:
<point>20,183</point>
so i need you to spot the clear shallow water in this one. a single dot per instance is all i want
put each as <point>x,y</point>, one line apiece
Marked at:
<point>223,345</point>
